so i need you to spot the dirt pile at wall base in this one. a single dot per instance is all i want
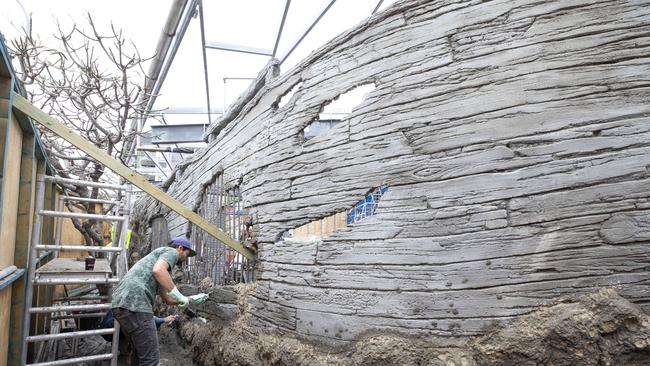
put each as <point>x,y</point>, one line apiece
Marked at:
<point>172,352</point>
<point>597,329</point>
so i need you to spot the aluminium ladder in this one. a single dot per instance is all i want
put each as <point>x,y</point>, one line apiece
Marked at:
<point>64,271</point>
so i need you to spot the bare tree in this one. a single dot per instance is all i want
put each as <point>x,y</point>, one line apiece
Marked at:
<point>93,83</point>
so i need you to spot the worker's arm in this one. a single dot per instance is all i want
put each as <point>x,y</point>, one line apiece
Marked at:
<point>168,291</point>
<point>161,274</point>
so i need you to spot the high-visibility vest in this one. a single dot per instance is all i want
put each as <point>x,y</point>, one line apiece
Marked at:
<point>128,237</point>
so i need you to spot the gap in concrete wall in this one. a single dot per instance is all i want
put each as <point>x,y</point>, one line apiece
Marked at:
<point>367,206</point>
<point>364,208</point>
<point>286,97</point>
<point>221,204</point>
<point>337,110</point>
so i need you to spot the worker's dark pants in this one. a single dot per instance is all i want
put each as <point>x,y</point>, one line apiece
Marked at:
<point>141,332</point>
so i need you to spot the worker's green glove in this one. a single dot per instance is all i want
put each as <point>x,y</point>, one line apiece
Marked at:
<point>199,299</point>
<point>181,299</point>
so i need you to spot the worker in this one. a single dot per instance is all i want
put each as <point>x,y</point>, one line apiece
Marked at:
<point>112,237</point>
<point>133,299</point>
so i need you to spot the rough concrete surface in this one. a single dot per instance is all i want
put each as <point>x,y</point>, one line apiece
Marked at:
<point>601,328</point>
<point>172,351</point>
<point>513,137</point>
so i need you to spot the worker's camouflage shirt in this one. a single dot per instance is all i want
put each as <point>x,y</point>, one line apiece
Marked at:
<point>137,290</point>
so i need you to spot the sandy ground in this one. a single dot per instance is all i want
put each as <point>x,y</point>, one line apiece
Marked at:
<point>172,352</point>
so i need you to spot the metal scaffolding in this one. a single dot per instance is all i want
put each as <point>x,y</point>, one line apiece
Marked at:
<point>64,312</point>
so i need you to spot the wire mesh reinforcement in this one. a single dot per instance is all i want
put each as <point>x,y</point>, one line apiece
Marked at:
<point>367,206</point>
<point>223,265</point>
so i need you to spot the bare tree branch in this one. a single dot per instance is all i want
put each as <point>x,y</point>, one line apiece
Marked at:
<point>91,80</point>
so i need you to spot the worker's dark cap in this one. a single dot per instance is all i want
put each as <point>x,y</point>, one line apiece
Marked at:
<point>183,242</point>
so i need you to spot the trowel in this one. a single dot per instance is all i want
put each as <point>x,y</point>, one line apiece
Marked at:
<point>191,313</point>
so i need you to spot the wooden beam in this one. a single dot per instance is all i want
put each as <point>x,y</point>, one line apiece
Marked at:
<point>122,170</point>
<point>21,252</point>
<point>6,95</point>
<point>8,208</point>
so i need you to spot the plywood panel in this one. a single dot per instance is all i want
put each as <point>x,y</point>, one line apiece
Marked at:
<point>10,195</point>
<point>5,89</point>
<point>23,234</point>
<point>11,140</point>
<point>321,228</point>
<point>5,305</point>
<point>3,133</point>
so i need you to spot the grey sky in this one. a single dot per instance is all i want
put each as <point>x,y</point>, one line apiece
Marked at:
<point>252,23</point>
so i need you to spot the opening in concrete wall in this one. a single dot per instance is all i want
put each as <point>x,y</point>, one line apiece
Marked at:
<point>337,110</point>
<point>222,206</point>
<point>366,207</point>
<point>286,97</point>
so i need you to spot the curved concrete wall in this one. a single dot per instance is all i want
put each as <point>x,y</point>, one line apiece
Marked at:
<point>513,137</point>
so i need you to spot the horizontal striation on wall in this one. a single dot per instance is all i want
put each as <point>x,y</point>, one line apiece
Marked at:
<point>513,137</point>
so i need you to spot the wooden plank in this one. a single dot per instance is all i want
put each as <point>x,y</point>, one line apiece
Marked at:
<point>328,225</point>
<point>6,87</point>
<point>9,208</point>
<point>341,220</point>
<point>74,265</point>
<point>300,232</point>
<point>10,187</point>
<point>4,106</point>
<point>3,135</point>
<point>21,252</point>
<point>5,303</point>
<point>136,179</point>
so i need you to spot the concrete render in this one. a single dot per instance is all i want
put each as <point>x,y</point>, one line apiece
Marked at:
<point>513,137</point>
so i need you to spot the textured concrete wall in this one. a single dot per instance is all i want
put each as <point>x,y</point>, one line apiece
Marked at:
<point>514,139</point>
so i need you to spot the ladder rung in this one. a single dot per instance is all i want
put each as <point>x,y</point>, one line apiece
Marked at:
<point>77,334</point>
<point>74,281</point>
<point>42,256</point>
<point>80,298</point>
<point>52,309</point>
<point>73,361</point>
<point>79,316</point>
<point>78,248</point>
<point>92,200</point>
<point>78,215</point>
<point>85,183</point>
